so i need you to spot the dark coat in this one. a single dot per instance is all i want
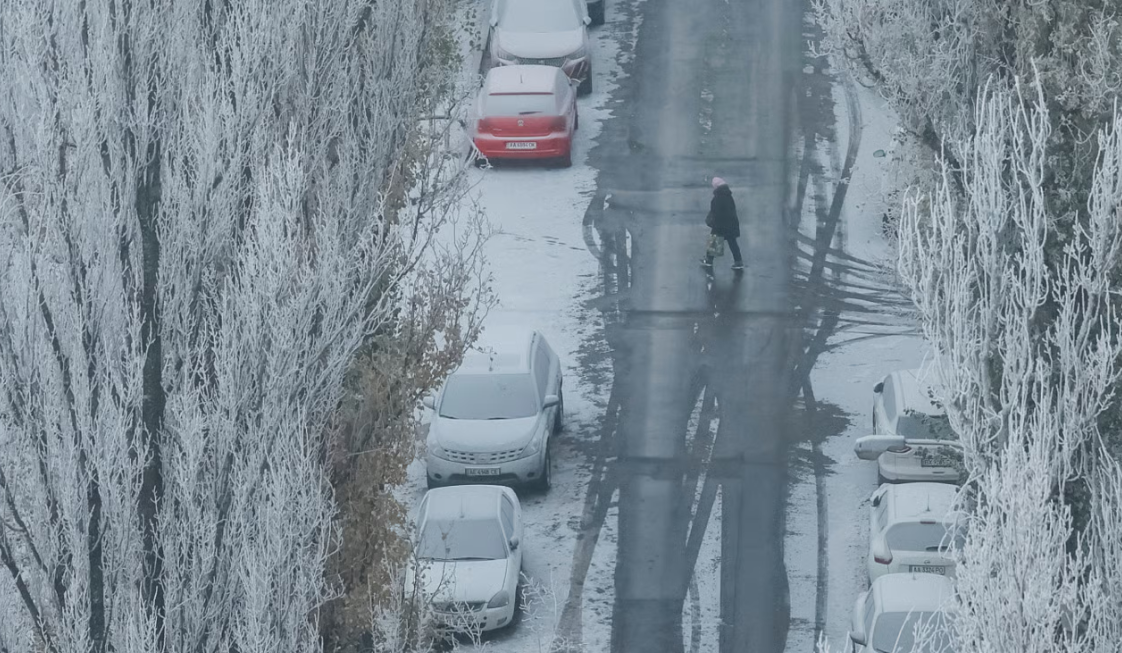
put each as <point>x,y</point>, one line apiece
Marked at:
<point>722,208</point>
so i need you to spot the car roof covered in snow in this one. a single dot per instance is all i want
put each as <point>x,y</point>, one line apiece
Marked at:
<point>499,350</point>
<point>918,592</point>
<point>522,79</point>
<point>919,388</point>
<point>914,501</point>
<point>464,502</point>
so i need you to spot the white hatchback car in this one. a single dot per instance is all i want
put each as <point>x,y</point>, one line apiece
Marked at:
<point>468,556</point>
<point>913,439</point>
<point>494,417</point>
<point>543,32</point>
<point>888,616</point>
<point>910,528</point>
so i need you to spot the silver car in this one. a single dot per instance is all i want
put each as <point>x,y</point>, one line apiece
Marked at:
<point>543,32</point>
<point>494,417</point>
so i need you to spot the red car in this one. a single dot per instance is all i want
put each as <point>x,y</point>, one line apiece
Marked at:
<point>526,112</point>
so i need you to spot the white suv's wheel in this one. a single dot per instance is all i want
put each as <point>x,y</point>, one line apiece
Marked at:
<point>545,477</point>
<point>559,416</point>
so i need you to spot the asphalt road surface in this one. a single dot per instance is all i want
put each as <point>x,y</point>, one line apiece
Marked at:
<point>710,92</point>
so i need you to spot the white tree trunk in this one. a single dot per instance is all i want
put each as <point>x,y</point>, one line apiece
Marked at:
<point>194,242</point>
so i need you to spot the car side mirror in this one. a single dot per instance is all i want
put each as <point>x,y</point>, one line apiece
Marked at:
<point>429,401</point>
<point>879,388</point>
<point>550,401</point>
<point>857,627</point>
<point>587,20</point>
<point>871,447</point>
<point>514,542</point>
<point>494,22</point>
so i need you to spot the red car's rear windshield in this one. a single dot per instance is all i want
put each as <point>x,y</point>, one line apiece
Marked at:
<point>521,104</point>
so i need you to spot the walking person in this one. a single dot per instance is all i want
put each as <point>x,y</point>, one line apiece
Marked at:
<point>723,223</point>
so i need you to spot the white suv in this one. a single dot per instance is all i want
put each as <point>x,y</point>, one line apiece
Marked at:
<point>914,440</point>
<point>910,529</point>
<point>493,418</point>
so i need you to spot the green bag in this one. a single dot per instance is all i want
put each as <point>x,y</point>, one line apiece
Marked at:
<point>715,247</point>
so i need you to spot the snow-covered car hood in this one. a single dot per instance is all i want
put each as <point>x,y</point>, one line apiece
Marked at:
<point>533,45</point>
<point>483,435</point>
<point>465,580</point>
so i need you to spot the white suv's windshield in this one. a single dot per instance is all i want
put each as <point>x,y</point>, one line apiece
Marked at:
<point>489,396</point>
<point>540,16</point>
<point>462,539</point>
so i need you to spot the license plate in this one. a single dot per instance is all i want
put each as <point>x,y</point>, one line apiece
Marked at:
<point>522,145</point>
<point>482,471</point>
<point>935,462</point>
<point>927,569</point>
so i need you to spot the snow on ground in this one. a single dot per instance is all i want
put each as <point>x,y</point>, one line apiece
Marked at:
<point>843,379</point>
<point>543,277</point>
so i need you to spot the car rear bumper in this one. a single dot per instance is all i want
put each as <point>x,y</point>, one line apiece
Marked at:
<point>548,147</point>
<point>876,569</point>
<point>577,69</point>
<point>515,472</point>
<point>914,474</point>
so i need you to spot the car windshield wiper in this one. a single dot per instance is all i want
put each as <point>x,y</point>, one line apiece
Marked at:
<point>470,559</point>
<point>527,113</point>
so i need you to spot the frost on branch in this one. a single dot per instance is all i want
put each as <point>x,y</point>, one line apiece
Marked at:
<point>1028,352</point>
<point>198,234</point>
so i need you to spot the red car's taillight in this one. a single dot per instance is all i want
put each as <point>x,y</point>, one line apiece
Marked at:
<point>484,126</point>
<point>900,449</point>
<point>558,124</point>
<point>887,559</point>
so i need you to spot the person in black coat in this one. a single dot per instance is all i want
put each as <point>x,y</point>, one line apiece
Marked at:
<point>723,222</point>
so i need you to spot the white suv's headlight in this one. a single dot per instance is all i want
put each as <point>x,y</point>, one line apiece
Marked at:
<point>532,448</point>
<point>580,53</point>
<point>500,600</point>
<point>502,54</point>
<point>435,449</point>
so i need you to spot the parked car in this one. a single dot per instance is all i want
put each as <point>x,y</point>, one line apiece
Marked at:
<point>525,112</point>
<point>920,444</point>
<point>911,527</point>
<point>468,557</point>
<point>886,617</point>
<point>494,416</point>
<point>596,11</point>
<point>544,32</point>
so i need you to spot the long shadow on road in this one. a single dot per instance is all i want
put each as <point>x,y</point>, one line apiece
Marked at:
<point>709,93</point>
<point>709,372</point>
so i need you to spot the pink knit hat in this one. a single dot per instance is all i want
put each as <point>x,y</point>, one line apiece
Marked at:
<point>718,182</point>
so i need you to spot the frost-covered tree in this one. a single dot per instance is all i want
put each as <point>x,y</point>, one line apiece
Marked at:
<point>932,58</point>
<point>203,221</point>
<point>1028,350</point>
